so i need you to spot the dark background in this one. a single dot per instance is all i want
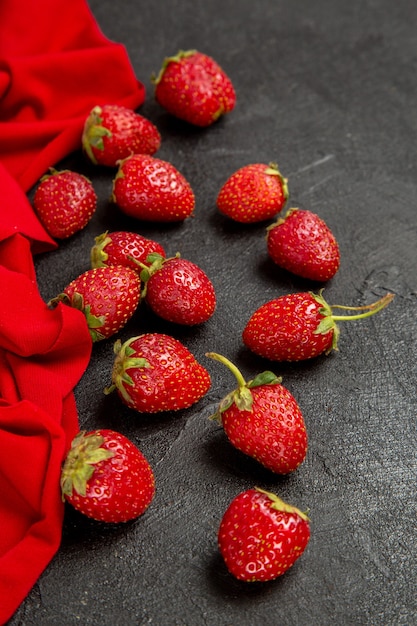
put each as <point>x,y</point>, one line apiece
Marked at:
<point>327,90</point>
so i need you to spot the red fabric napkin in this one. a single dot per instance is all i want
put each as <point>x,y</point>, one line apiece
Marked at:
<point>55,65</point>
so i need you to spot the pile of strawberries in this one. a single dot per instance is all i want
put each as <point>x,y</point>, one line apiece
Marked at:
<point>105,476</point>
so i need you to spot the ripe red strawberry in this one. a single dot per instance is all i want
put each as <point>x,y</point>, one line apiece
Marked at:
<point>123,248</point>
<point>254,193</point>
<point>65,202</point>
<point>300,326</point>
<point>260,537</point>
<point>106,477</point>
<point>152,190</point>
<point>262,419</point>
<point>108,297</point>
<point>194,88</point>
<point>303,244</point>
<point>155,372</point>
<point>178,290</point>
<point>112,132</point>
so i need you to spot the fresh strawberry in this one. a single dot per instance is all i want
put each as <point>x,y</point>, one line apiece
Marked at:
<point>194,88</point>
<point>155,372</point>
<point>152,190</point>
<point>302,243</point>
<point>123,248</point>
<point>260,537</point>
<point>106,477</point>
<point>300,326</point>
<point>108,297</point>
<point>178,290</point>
<point>262,419</point>
<point>112,132</point>
<point>254,193</point>
<point>65,202</point>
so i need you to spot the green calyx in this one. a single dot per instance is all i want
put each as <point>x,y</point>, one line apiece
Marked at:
<point>123,362</point>
<point>328,321</point>
<point>93,133</point>
<point>94,322</point>
<point>273,170</point>
<point>98,255</point>
<point>282,219</point>
<point>242,396</point>
<point>154,262</point>
<point>79,466</point>
<point>181,54</point>
<point>280,505</point>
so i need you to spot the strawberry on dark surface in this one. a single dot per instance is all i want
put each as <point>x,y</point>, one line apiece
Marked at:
<point>260,537</point>
<point>106,477</point>
<point>123,248</point>
<point>152,189</point>
<point>193,87</point>
<point>254,193</point>
<point>155,372</point>
<point>108,297</point>
<point>64,201</point>
<point>262,419</point>
<point>113,132</point>
<point>300,326</point>
<point>302,243</point>
<point>178,291</point>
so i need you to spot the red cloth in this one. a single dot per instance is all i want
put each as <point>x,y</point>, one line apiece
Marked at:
<point>55,65</point>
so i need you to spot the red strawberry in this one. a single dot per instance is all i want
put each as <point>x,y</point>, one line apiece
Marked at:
<point>65,201</point>
<point>194,88</point>
<point>152,190</point>
<point>300,326</point>
<point>178,290</point>
<point>108,297</point>
<point>254,193</point>
<point>113,132</point>
<point>260,537</point>
<point>155,372</point>
<point>123,248</point>
<point>106,477</point>
<point>303,244</point>
<point>263,420</point>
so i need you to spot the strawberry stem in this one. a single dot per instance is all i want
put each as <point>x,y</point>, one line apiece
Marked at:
<point>367,310</point>
<point>280,505</point>
<point>235,371</point>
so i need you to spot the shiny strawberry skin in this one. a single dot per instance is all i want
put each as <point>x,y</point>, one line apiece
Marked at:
<point>120,247</point>
<point>193,87</point>
<point>155,372</point>
<point>109,298</point>
<point>151,189</point>
<point>284,329</point>
<point>273,432</point>
<point>259,542</point>
<point>121,487</point>
<point>112,132</point>
<point>254,193</point>
<point>303,244</point>
<point>64,201</point>
<point>181,292</point>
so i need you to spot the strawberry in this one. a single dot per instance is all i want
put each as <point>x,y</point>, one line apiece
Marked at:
<point>151,189</point>
<point>155,372</point>
<point>178,290</point>
<point>303,244</point>
<point>112,132</point>
<point>300,326</point>
<point>193,87</point>
<point>106,477</point>
<point>260,537</point>
<point>123,248</point>
<point>262,419</point>
<point>254,193</point>
<point>65,202</point>
<point>108,297</point>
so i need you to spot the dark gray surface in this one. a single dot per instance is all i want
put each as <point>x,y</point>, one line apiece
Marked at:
<point>328,90</point>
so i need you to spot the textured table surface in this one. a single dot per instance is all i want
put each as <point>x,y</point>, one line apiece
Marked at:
<point>327,90</point>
